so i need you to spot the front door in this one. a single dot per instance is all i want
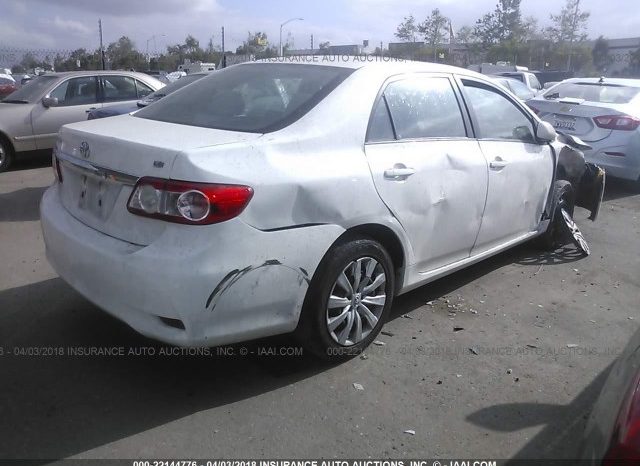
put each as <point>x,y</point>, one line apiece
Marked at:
<point>76,97</point>
<point>429,173</point>
<point>520,168</point>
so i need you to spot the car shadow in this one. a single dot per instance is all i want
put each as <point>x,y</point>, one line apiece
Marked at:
<point>526,254</point>
<point>22,205</point>
<point>53,406</point>
<point>618,189</point>
<point>562,434</point>
<point>31,160</point>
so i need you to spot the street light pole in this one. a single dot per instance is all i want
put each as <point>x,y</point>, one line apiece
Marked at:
<point>155,46</point>
<point>283,25</point>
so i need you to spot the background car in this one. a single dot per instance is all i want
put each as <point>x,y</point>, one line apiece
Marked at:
<point>525,77</point>
<point>7,86</point>
<point>132,107</point>
<point>612,433</point>
<point>31,117</point>
<point>265,208</point>
<point>603,112</point>
<point>517,87</point>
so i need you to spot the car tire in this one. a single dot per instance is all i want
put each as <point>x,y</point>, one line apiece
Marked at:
<point>336,323</point>
<point>6,155</point>
<point>563,197</point>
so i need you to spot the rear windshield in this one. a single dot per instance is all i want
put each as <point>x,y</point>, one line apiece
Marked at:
<point>34,89</point>
<point>594,92</point>
<point>255,98</point>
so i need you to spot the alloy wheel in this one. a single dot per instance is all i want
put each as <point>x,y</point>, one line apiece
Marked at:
<point>356,301</point>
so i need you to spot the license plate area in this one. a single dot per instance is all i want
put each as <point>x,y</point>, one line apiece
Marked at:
<point>564,123</point>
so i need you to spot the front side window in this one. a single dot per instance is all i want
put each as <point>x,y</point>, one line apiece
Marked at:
<point>425,108</point>
<point>118,88</point>
<point>76,91</point>
<point>497,117</point>
<point>256,98</point>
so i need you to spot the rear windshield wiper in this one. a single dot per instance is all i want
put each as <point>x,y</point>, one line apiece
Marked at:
<point>14,101</point>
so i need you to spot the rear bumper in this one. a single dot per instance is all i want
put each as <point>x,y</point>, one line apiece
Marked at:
<point>225,283</point>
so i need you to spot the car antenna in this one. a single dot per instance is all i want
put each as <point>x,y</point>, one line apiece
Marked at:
<point>601,81</point>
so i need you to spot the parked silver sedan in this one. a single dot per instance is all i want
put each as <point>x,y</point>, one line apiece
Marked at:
<point>31,117</point>
<point>603,112</point>
<point>272,197</point>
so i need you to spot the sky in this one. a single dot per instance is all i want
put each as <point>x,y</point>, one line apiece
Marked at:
<point>71,24</point>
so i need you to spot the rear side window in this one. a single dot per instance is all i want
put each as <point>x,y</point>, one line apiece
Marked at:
<point>497,117</point>
<point>76,91</point>
<point>425,108</point>
<point>593,92</point>
<point>257,97</point>
<point>143,89</point>
<point>119,88</point>
<point>380,128</point>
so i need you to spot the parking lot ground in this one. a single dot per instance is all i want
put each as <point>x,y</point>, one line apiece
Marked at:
<point>509,383</point>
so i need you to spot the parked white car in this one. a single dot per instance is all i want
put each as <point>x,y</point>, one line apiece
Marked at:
<point>603,112</point>
<point>273,197</point>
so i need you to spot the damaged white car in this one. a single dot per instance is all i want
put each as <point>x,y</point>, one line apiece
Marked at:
<point>275,197</point>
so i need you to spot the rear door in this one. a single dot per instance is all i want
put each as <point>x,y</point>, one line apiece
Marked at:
<point>76,97</point>
<point>520,169</point>
<point>427,169</point>
<point>116,90</point>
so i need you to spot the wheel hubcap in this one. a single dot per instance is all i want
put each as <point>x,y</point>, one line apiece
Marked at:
<point>2,155</point>
<point>575,232</point>
<point>356,301</point>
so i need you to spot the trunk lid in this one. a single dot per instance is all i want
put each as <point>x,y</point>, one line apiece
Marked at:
<point>575,116</point>
<point>101,160</point>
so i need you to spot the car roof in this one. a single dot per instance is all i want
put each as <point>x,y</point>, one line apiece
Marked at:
<point>393,65</point>
<point>64,74</point>
<point>614,81</point>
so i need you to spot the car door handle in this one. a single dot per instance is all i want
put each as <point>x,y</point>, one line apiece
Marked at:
<point>90,110</point>
<point>498,164</point>
<point>399,173</point>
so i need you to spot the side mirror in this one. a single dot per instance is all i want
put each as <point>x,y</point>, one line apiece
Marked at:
<point>50,102</point>
<point>545,132</point>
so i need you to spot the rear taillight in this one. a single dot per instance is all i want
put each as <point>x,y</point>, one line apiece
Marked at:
<point>186,202</point>
<point>618,122</point>
<point>625,443</point>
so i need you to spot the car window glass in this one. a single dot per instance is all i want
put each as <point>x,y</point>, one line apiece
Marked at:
<point>520,90</point>
<point>593,92</point>
<point>497,117</point>
<point>258,97</point>
<point>380,128</point>
<point>535,84</point>
<point>425,108</point>
<point>76,91</point>
<point>118,88</point>
<point>143,89</point>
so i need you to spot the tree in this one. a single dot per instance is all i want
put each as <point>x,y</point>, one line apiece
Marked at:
<point>123,55</point>
<point>634,62</point>
<point>503,24</point>
<point>434,29</point>
<point>467,38</point>
<point>600,54</point>
<point>324,48</point>
<point>407,30</point>
<point>257,44</point>
<point>570,25</point>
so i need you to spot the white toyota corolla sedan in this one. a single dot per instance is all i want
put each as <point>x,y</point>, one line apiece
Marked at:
<point>274,197</point>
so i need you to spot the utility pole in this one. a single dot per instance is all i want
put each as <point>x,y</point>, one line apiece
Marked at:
<point>101,46</point>
<point>381,49</point>
<point>311,43</point>
<point>224,57</point>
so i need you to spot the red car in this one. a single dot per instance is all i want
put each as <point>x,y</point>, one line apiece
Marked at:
<point>7,86</point>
